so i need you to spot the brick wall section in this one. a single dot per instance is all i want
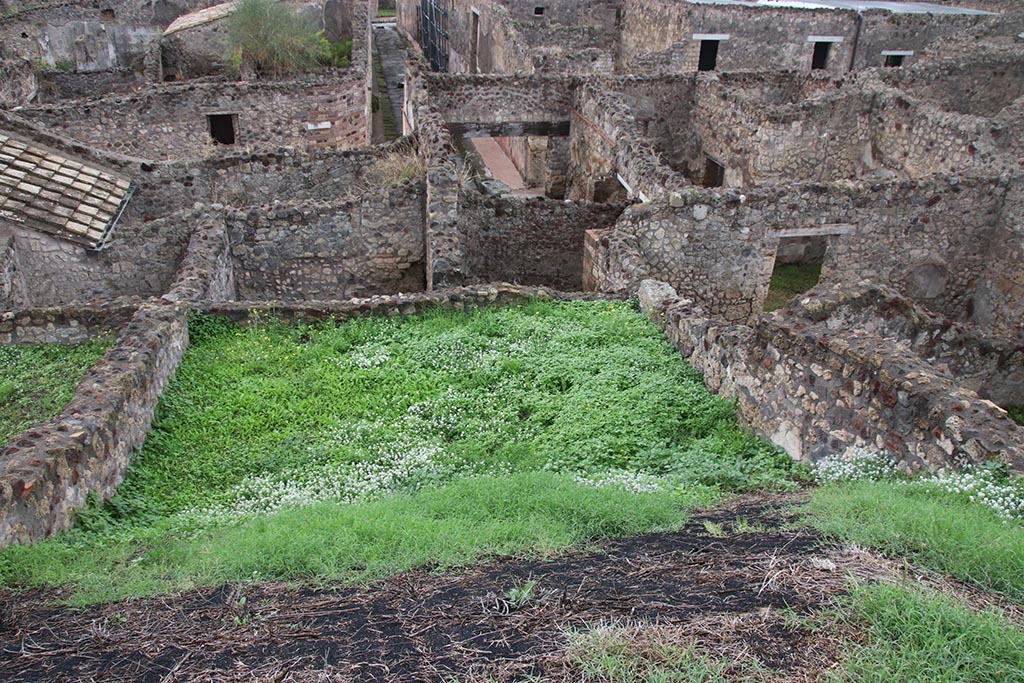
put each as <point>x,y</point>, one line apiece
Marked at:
<point>816,391</point>
<point>311,251</point>
<point>532,241</point>
<point>47,472</point>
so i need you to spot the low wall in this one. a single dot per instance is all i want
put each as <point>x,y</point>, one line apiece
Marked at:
<point>816,391</point>
<point>47,472</point>
<point>65,324</point>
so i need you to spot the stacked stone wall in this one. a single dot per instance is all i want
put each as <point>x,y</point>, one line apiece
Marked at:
<point>817,391</point>
<point>998,303</point>
<point>927,239</point>
<point>313,251</point>
<point>66,324</point>
<point>12,285</point>
<point>47,472</point>
<point>532,241</point>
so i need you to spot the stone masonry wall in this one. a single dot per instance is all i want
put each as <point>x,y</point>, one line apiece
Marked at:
<point>140,260</point>
<point>657,36</point>
<point>206,272</point>
<point>999,300</point>
<point>47,472</point>
<point>927,239</point>
<point>500,99</point>
<point>330,251</point>
<point>816,391</point>
<point>66,324</point>
<point>12,285</point>
<point>170,121</point>
<point>533,241</point>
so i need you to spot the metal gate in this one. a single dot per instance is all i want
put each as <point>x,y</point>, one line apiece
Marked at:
<point>434,32</point>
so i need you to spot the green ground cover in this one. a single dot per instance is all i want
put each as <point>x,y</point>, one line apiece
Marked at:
<point>37,381</point>
<point>1017,414</point>
<point>788,281</point>
<point>357,450</point>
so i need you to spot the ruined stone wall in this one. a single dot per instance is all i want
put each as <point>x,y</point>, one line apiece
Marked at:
<point>982,86</point>
<point>999,301</point>
<point>140,260</point>
<point>532,241</point>
<point>445,253</point>
<point>657,36</point>
<point>47,472</point>
<point>66,324</point>
<point>500,99</point>
<point>767,133</point>
<point>927,239</point>
<point>326,251</point>
<point>12,284</point>
<point>80,38</point>
<point>990,365</point>
<point>207,271</point>
<point>170,122</point>
<point>56,86</point>
<point>817,391</point>
<point>606,141</point>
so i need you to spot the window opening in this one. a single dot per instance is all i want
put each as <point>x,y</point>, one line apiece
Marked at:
<point>222,128</point>
<point>538,11</point>
<point>894,60</point>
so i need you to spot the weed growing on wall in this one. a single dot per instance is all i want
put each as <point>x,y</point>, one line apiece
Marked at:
<point>272,422</point>
<point>37,381</point>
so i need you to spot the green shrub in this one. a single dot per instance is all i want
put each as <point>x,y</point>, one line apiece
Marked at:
<point>273,40</point>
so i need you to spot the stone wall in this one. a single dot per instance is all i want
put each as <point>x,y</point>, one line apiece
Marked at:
<point>206,272</point>
<point>56,86</point>
<point>312,251</point>
<point>47,472</point>
<point>532,241</point>
<point>607,143</point>
<point>12,284</point>
<point>999,300</point>
<point>501,99</point>
<point>170,121</point>
<point>930,240</point>
<point>66,324</point>
<point>816,390</point>
<point>657,36</point>
<point>140,259</point>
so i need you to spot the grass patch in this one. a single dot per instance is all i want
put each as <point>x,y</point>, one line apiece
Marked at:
<point>449,526</point>
<point>936,529</point>
<point>912,637</point>
<point>788,281</point>
<point>386,12</point>
<point>1016,414</point>
<point>37,381</point>
<point>330,451</point>
<point>651,654</point>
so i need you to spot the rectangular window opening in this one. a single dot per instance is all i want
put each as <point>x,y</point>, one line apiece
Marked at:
<point>474,42</point>
<point>894,60</point>
<point>708,55</point>
<point>714,173</point>
<point>222,128</point>
<point>538,11</point>
<point>820,58</point>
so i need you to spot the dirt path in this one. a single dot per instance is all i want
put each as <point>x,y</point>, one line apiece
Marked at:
<point>727,579</point>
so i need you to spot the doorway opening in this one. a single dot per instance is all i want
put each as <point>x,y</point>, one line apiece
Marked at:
<point>474,42</point>
<point>708,55</point>
<point>797,269</point>
<point>820,58</point>
<point>714,173</point>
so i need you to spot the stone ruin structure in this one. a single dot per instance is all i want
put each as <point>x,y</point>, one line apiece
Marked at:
<point>675,149</point>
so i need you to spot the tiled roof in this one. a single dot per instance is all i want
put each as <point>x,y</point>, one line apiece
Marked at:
<point>51,193</point>
<point>200,17</point>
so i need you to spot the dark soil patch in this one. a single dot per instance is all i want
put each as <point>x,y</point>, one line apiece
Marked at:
<point>726,579</point>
